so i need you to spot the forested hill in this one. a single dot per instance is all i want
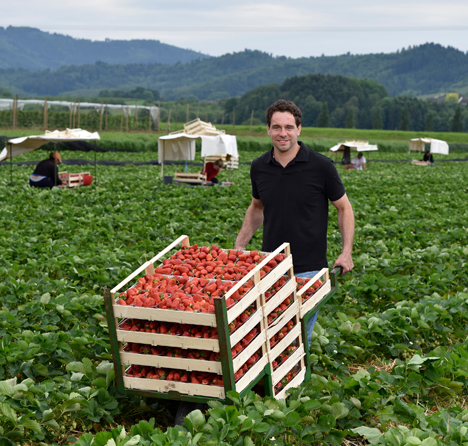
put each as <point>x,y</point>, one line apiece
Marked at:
<point>421,70</point>
<point>36,50</point>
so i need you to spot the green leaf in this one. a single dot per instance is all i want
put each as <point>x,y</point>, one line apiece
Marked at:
<point>31,424</point>
<point>9,412</point>
<point>197,419</point>
<point>373,435</point>
<point>292,419</point>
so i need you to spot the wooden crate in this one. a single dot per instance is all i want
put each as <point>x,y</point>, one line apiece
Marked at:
<point>190,178</point>
<point>227,366</point>
<point>232,163</point>
<point>73,179</point>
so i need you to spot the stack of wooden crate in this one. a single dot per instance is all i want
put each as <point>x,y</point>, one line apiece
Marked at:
<point>270,312</point>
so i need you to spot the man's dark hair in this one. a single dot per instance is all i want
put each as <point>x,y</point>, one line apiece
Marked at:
<point>284,106</point>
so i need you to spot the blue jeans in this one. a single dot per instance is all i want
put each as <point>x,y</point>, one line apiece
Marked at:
<point>313,319</point>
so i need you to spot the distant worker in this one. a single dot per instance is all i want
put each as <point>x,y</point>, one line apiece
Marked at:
<point>357,163</point>
<point>46,173</point>
<point>428,157</point>
<point>212,169</point>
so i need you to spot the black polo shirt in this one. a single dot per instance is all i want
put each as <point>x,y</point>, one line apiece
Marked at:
<point>295,204</point>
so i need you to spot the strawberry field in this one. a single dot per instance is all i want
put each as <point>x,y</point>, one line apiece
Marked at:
<point>389,352</point>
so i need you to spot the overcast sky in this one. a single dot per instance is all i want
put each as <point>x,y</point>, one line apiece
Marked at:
<point>288,28</point>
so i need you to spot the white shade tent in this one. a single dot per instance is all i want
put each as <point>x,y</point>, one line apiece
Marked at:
<point>347,147</point>
<point>25,144</point>
<point>436,145</point>
<point>181,146</point>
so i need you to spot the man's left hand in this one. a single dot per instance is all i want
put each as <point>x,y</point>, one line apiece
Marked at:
<point>345,261</point>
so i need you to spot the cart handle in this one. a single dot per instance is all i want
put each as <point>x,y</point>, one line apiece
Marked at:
<point>333,275</point>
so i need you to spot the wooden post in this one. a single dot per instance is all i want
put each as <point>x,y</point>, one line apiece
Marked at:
<point>149,119</point>
<point>159,116</point>
<point>126,122</point>
<point>15,112</point>
<point>100,118</point>
<point>46,114</point>
<point>71,115</point>
<point>79,114</point>
<point>105,120</point>
<point>74,114</point>
<point>187,120</point>
<point>251,123</point>
<point>121,120</point>
<point>168,128</point>
<point>234,120</point>
<point>197,112</point>
<point>136,114</point>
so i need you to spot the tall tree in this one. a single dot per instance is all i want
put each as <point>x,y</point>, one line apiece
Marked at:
<point>350,124</point>
<point>457,123</point>
<point>323,119</point>
<point>429,125</point>
<point>377,122</point>
<point>404,119</point>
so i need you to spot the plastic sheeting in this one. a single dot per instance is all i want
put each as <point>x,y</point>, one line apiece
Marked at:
<point>354,145</point>
<point>25,144</point>
<point>436,145</point>
<point>219,145</point>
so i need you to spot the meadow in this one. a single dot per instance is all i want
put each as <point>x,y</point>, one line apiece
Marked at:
<point>389,352</point>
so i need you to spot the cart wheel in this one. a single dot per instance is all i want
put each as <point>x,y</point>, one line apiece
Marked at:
<point>185,407</point>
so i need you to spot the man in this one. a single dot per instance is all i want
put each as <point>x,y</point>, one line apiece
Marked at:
<point>359,162</point>
<point>291,186</point>
<point>46,172</point>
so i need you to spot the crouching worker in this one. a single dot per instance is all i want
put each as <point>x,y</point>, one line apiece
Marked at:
<point>212,169</point>
<point>46,172</point>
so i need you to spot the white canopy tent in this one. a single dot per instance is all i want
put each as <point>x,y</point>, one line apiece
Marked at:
<point>25,144</point>
<point>181,146</point>
<point>348,146</point>
<point>436,145</point>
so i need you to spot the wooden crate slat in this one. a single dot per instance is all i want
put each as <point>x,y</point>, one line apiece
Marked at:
<point>285,342</point>
<point>319,275</point>
<point>156,314</point>
<point>253,372</point>
<point>162,386</point>
<point>296,381</point>
<point>286,290</point>
<point>245,354</point>
<point>282,320</point>
<point>253,320</point>
<point>183,240</point>
<point>168,340</point>
<point>291,362</point>
<point>242,304</point>
<point>275,274</point>
<point>172,363</point>
<point>315,299</point>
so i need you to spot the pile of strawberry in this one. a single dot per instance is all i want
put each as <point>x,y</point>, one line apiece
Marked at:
<point>171,352</point>
<point>311,291</point>
<point>287,379</point>
<point>250,362</point>
<point>282,333</point>
<point>180,293</point>
<point>242,319</point>
<point>283,357</point>
<point>275,288</point>
<point>170,328</point>
<point>195,377</point>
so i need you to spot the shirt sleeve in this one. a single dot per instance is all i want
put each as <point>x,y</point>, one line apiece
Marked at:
<point>253,172</point>
<point>334,188</point>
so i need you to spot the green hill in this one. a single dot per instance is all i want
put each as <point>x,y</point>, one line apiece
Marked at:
<point>30,48</point>
<point>421,70</point>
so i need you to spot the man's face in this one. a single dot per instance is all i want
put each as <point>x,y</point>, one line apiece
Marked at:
<point>283,131</point>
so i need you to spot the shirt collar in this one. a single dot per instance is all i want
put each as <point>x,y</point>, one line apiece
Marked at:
<point>302,154</point>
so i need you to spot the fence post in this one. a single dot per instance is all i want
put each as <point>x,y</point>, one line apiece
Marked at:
<point>79,114</point>
<point>136,115</point>
<point>46,114</point>
<point>121,119</point>
<point>100,118</point>
<point>159,115</point>
<point>168,128</point>
<point>251,122</point>
<point>105,121</point>
<point>187,120</point>
<point>126,122</point>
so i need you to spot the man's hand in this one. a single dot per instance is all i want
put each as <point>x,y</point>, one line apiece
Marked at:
<point>345,261</point>
<point>252,221</point>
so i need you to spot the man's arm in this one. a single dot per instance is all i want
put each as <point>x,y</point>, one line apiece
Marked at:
<point>346,224</point>
<point>252,221</point>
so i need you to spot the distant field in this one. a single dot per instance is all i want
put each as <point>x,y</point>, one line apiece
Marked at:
<point>318,139</point>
